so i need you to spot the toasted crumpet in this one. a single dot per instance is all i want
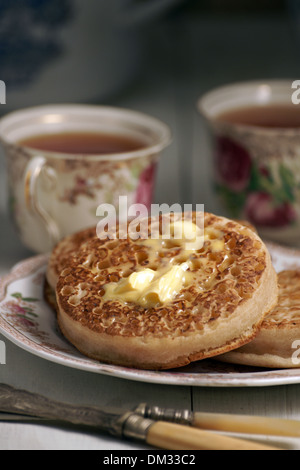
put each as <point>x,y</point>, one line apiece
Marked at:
<point>247,224</point>
<point>62,252</point>
<point>277,342</point>
<point>58,259</point>
<point>230,286</point>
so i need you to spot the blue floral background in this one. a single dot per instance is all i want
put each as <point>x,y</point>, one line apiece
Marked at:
<point>28,39</point>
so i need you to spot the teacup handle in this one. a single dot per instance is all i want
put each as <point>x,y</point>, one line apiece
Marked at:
<point>35,168</point>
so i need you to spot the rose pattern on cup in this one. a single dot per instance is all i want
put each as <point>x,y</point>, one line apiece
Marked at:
<point>261,211</point>
<point>145,187</point>
<point>233,164</point>
<point>110,180</point>
<point>264,192</point>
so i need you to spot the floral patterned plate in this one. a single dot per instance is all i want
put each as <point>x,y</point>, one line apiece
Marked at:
<point>28,321</point>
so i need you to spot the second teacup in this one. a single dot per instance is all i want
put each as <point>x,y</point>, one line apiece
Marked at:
<point>255,131</point>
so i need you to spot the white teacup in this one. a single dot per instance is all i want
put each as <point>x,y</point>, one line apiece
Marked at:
<point>53,194</point>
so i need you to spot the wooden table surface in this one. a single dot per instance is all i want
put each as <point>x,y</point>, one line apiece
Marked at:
<point>168,90</point>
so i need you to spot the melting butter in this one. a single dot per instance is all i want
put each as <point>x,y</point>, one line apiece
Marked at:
<point>182,233</point>
<point>165,287</point>
<point>137,281</point>
<point>217,245</point>
<point>188,234</point>
<point>148,287</point>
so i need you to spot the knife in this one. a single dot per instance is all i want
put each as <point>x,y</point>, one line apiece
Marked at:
<point>121,424</point>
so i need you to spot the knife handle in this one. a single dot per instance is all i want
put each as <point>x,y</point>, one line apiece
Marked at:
<point>247,424</point>
<point>172,436</point>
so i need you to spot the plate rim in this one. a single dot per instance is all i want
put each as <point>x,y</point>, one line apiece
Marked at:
<point>262,378</point>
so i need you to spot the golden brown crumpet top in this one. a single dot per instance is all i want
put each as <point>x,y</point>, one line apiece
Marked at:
<point>62,252</point>
<point>274,345</point>
<point>229,286</point>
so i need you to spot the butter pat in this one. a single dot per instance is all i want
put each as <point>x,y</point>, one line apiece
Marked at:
<point>148,287</point>
<point>165,287</point>
<point>137,281</point>
<point>217,245</point>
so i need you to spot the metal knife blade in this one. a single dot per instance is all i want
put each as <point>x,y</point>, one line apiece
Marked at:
<point>29,404</point>
<point>18,417</point>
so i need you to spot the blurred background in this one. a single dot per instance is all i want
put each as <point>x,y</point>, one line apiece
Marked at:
<point>155,56</point>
